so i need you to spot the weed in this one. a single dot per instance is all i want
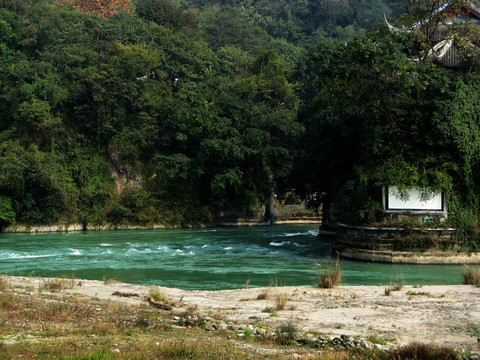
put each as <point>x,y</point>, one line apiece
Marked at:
<point>422,351</point>
<point>123,294</point>
<point>281,300</point>
<point>474,331</point>
<point>3,282</point>
<point>111,281</point>
<point>395,285</point>
<point>330,275</point>
<point>58,284</point>
<point>264,294</point>
<point>418,293</point>
<point>381,341</point>
<point>247,284</point>
<point>471,276</point>
<point>216,315</point>
<point>286,334</point>
<point>158,295</point>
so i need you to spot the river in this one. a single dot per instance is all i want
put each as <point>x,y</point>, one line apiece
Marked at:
<point>220,258</point>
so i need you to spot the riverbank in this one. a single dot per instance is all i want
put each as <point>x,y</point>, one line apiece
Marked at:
<point>65,227</point>
<point>429,314</point>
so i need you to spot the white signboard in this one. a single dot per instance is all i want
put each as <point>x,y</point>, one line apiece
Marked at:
<point>413,199</point>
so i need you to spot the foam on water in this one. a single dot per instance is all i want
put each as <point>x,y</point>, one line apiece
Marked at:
<point>279,244</point>
<point>75,252</point>
<point>19,256</point>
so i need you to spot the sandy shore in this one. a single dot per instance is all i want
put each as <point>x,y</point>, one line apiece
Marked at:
<point>431,314</point>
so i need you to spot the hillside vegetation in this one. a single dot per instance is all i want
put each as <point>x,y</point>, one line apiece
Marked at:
<point>171,112</point>
<point>193,107</point>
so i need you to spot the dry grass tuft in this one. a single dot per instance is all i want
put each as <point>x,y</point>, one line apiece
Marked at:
<point>125,294</point>
<point>264,294</point>
<point>3,282</point>
<point>281,300</point>
<point>471,276</point>
<point>58,284</point>
<point>395,285</point>
<point>418,293</point>
<point>422,351</point>
<point>158,295</point>
<point>329,275</point>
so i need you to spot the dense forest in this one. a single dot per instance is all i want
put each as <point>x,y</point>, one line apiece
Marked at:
<point>172,111</point>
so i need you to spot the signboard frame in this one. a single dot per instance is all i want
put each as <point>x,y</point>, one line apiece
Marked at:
<point>413,202</point>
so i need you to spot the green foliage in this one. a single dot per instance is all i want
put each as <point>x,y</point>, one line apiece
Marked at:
<point>166,13</point>
<point>7,214</point>
<point>375,119</point>
<point>198,126</point>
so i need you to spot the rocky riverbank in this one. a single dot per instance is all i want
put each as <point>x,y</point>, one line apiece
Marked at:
<point>347,315</point>
<point>65,227</point>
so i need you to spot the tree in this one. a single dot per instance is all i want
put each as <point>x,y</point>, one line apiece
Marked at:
<point>166,13</point>
<point>7,214</point>
<point>370,123</point>
<point>103,8</point>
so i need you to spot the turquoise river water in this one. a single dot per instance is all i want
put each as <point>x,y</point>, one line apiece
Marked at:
<point>221,258</point>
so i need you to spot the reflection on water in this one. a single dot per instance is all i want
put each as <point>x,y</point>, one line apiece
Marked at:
<point>221,258</point>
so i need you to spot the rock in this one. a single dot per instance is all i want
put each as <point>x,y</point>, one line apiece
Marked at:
<point>366,345</point>
<point>260,331</point>
<point>222,326</point>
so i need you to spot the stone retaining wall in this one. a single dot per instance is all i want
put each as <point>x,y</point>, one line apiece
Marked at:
<point>399,245</point>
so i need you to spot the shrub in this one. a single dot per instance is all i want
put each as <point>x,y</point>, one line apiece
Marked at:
<point>330,276</point>
<point>471,276</point>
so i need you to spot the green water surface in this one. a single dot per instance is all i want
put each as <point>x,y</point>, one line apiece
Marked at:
<point>220,258</point>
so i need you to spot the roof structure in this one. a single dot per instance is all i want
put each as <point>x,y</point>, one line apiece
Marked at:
<point>445,50</point>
